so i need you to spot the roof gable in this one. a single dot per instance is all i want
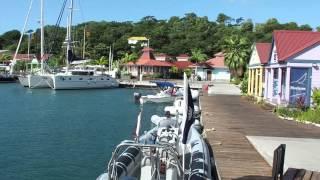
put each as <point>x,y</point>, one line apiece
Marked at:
<point>263,50</point>
<point>217,61</point>
<point>290,43</point>
<point>182,64</point>
<point>147,59</point>
<point>310,54</point>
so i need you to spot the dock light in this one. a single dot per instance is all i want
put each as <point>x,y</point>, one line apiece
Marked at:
<point>315,65</point>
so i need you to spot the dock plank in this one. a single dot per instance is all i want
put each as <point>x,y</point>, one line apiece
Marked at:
<point>234,118</point>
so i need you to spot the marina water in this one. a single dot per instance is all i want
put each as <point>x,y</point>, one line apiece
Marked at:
<point>70,135</point>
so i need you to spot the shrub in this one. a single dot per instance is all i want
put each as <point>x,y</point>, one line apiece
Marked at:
<point>188,72</point>
<point>310,115</point>
<point>198,78</point>
<point>244,84</point>
<point>157,76</point>
<point>316,97</point>
<point>300,103</point>
<point>286,112</point>
<point>236,81</point>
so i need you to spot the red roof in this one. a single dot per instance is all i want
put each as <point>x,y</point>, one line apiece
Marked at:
<point>182,64</point>
<point>217,61</point>
<point>183,56</point>
<point>289,43</point>
<point>161,55</point>
<point>263,50</point>
<point>158,63</point>
<point>147,55</point>
<point>147,59</point>
<point>201,64</point>
<point>24,57</point>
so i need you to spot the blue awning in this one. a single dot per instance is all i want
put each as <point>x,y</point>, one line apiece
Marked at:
<point>163,83</point>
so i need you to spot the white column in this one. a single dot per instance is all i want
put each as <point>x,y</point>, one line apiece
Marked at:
<point>287,94</point>
<point>266,83</point>
<point>279,85</point>
<point>270,91</point>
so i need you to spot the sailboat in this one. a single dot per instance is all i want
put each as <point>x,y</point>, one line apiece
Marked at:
<point>174,149</point>
<point>38,79</point>
<point>79,78</point>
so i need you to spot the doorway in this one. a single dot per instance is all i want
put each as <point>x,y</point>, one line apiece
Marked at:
<point>209,74</point>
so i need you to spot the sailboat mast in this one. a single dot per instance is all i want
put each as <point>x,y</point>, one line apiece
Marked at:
<point>42,36</point>
<point>84,43</point>
<point>110,56</point>
<point>69,28</point>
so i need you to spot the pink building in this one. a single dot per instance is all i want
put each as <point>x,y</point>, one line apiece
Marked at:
<point>293,67</point>
<point>148,65</point>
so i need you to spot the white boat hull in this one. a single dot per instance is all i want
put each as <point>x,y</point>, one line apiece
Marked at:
<point>36,81</point>
<point>83,82</point>
<point>40,81</point>
<point>24,81</point>
<point>156,99</point>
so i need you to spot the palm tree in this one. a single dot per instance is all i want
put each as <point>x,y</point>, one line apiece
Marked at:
<point>237,52</point>
<point>133,57</point>
<point>198,56</point>
<point>101,62</point>
<point>5,57</point>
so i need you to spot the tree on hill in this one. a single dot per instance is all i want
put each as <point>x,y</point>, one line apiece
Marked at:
<point>174,36</point>
<point>133,57</point>
<point>198,56</point>
<point>101,62</point>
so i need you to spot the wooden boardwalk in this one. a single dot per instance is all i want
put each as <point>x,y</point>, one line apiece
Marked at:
<point>233,118</point>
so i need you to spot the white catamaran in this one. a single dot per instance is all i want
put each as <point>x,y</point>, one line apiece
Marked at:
<point>83,78</point>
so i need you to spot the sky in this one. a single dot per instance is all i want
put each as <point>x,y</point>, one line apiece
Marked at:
<point>13,12</point>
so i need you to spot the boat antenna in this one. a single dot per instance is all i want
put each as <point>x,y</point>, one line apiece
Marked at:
<point>21,36</point>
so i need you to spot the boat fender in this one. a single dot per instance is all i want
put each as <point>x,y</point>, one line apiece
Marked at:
<point>198,126</point>
<point>125,159</point>
<point>136,96</point>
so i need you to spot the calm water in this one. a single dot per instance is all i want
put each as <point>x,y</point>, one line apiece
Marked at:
<point>46,134</point>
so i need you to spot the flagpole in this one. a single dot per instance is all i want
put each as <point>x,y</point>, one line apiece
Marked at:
<point>139,124</point>
<point>184,115</point>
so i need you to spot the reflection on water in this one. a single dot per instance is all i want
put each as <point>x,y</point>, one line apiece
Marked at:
<point>47,134</point>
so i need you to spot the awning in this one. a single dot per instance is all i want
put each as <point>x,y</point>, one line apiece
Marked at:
<point>163,84</point>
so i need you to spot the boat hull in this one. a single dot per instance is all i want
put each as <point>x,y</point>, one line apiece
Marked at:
<point>83,82</point>
<point>36,81</point>
<point>39,81</point>
<point>158,99</point>
<point>24,81</point>
<point>7,80</point>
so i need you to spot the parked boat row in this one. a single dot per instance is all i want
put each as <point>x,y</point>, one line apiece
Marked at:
<point>173,149</point>
<point>168,92</point>
<point>85,78</point>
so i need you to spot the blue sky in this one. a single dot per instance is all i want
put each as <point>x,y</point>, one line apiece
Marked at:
<point>300,11</point>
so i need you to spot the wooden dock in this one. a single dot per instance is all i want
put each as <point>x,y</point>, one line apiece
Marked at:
<point>150,84</point>
<point>229,119</point>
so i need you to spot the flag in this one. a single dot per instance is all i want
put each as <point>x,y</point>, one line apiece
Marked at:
<point>70,56</point>
<point>189,111</point>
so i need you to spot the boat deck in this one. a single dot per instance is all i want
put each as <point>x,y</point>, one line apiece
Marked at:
<point>229,119</point>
